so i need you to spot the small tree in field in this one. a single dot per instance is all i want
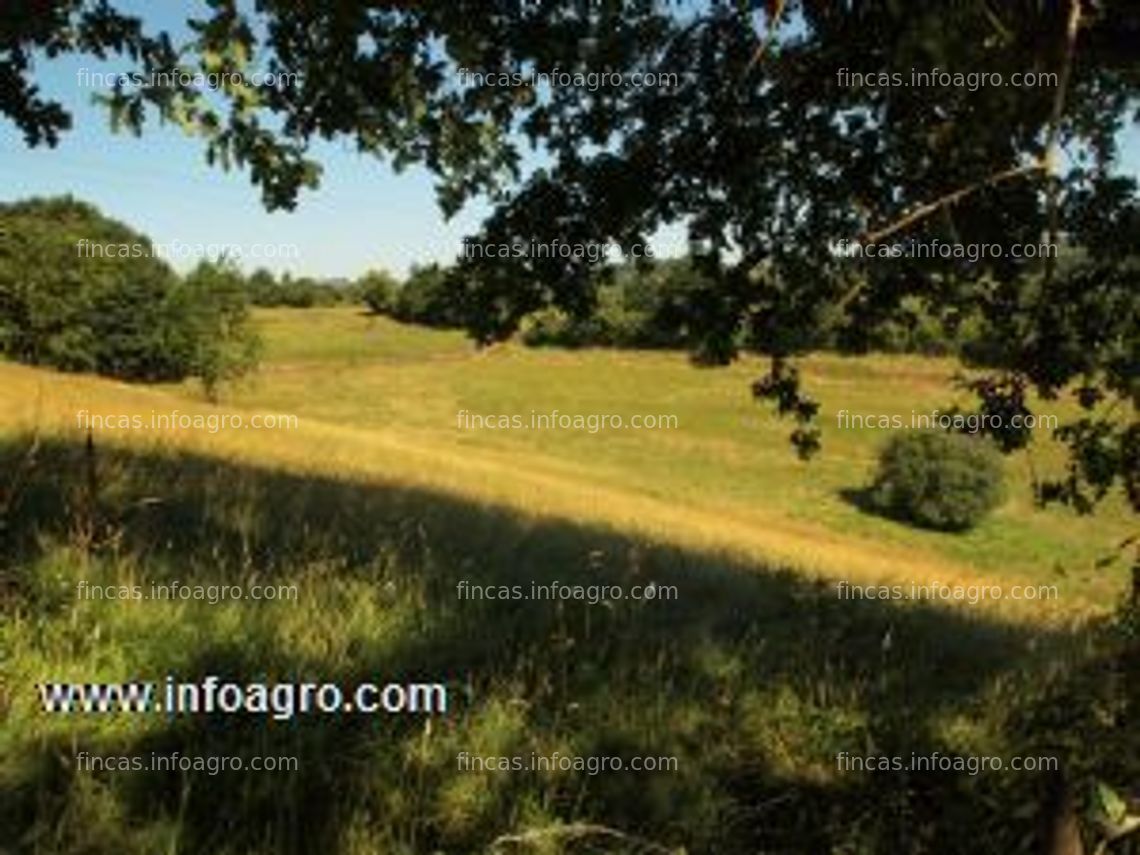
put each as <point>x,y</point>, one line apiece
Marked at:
<point>945,481</point>
<point>377,289</point>
<point>213,336</point>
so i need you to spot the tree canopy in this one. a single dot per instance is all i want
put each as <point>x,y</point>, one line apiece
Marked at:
<point>788,126</point>
<point>82,292</point>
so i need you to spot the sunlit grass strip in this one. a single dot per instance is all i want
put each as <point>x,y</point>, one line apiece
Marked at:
<point>530,483</point>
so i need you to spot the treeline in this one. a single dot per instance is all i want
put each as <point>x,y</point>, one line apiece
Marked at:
<point>134,318</point>
<point>302,292</point>
<point>649,305</point>
<point>637,307</point>
<point>65,305</point>
<point>431,296</point>
<point>656,304</point>
<point>427,297</point>
<point>653,304</point>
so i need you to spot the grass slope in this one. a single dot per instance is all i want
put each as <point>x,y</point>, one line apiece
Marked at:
<point>376,506</point>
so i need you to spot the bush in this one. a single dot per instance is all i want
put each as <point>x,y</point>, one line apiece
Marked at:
<point>82,292</point>
<point>213,339</point>
<point>303,293</point>
<point>429,297</point>
<point>944,481</point>
<point>644,306</point>
<point>549,327</point>
<point>377,290</point>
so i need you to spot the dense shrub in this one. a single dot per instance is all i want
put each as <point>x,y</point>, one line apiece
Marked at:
<point>551,327</point>
<point>213,339</point>
<point>302,293</point>
<point>645,306</point>
<point>612,324</point>
<point>654,305</point>
<point>430,297</point>
<point>945,481</point>
<point>131,331</point>
<point>81,292</point>
<point>377,289</point>
<point>262,288</point>
<point>913,331</point>
<point>916,330</point>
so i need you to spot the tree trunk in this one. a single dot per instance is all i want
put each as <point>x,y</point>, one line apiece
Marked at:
<point>1062,826</point>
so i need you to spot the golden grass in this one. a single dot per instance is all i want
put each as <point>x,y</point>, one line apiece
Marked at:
<point>524,480</point>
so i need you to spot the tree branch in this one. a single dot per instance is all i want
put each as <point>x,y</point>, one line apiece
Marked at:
<point>774,11</point>
<point>1047,163</point>
<point>923,211</point>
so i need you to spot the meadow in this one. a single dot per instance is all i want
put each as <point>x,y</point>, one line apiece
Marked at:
<point>378,504</point>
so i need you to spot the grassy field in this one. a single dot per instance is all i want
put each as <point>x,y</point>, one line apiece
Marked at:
<point>728,457</point>
<point>377,505</point>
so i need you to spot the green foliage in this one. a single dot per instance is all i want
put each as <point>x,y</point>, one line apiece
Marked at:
<point>305,292</point>
<point>944,481</point>
<point>298,293</point>
<point>651,305</point>
<point>767,162</point>
<point>642,306</point>
<point>262,288</point>
<point>214,338</point>
<point>81,292</point>
<point>551,327</point>
<point>749,705</point>
<point>378,289</point>
<point>431,296</point>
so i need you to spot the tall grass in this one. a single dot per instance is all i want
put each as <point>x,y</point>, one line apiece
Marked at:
<point>376,508</point>
<point>754,678</point>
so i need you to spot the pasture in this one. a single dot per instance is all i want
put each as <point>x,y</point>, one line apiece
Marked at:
<point>378,503</point>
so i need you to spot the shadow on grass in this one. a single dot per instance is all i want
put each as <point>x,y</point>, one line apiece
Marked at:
<point>752,677</point>
<point>860,498</point>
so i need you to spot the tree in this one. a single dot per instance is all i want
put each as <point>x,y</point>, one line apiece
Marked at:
<point>377,290</point>
<point>262,287</point>
<point>431,295</point>
<point>81,292</point>
<point>213,338</point>
<point>783,132</point>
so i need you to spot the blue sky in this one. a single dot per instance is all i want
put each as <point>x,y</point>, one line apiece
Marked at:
<point>363,215</point>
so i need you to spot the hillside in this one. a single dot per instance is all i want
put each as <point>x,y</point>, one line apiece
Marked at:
<point>745,679</point>
<point>378,400</point>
